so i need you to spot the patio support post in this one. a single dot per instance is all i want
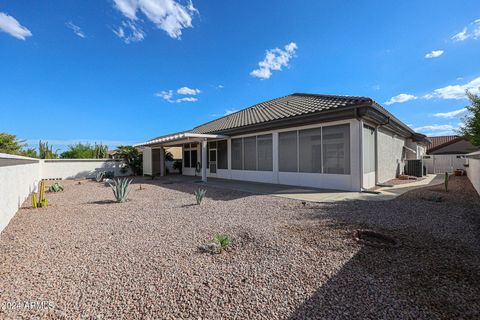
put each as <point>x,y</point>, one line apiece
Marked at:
<point>204,160</point>
<point>162,161</point>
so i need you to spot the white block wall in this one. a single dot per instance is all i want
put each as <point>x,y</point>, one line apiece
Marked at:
<point>473,170</point>
<point>17,181</point>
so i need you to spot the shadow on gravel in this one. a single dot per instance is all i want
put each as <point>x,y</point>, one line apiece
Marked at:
<point>102,202</point>
<point>434,274</point>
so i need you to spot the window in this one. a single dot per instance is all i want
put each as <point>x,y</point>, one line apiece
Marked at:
<point>264,152</point>
<point>287,151</point>
<point>194,157</point>
<point>237,154</point>
<point>310,150</point>
<point>186,159</point>
<point>336,149</point>
<point>250,153</point>
<point>222,154</point>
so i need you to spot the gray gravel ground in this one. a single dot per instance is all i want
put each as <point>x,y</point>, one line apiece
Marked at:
<point>87,257</point>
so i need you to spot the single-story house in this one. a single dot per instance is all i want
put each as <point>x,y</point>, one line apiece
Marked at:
<point>447,154</point>
<point>313,140</point>
<point>450,145</point>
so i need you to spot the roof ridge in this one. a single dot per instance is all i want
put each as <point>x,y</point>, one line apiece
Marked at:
<point>330,95</point>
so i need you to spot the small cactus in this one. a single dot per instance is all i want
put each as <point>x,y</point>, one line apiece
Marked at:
<point>34,201</point>
<point>199,195</point>
<point>41,202</point>
<point>446,181</point>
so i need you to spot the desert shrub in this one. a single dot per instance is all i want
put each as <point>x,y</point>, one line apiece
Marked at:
<point>56,187</point>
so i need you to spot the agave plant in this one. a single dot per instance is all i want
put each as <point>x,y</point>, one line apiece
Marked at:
<point>99,176</point>
<point>56,187</point>
<point>199,194</point>
<point>121,189</point>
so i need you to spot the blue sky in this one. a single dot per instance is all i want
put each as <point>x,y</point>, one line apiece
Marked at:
<point>125,71</point>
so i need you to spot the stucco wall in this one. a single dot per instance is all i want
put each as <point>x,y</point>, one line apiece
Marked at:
<point>78,168</point>
<point>473,170</point>
<point>390,155</point>
<point>18,176</point>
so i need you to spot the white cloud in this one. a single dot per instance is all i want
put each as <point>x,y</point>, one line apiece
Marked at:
<point>455,91</point>
<point>471,31</point>
<point>165,95</point>
<point>76,29</point>
<point>402,97</point>
<point>434,54</point>
<point>461,36</point>
<point>168,95</point>
<point>219,86</point>
<point>186,99</point>
<point>226,113</point>
<point>452,114</point>
<point>274,60</point>
<point>11,26</point>
<point>437,129</point>
<point>168,15</point>
<point>188,91</point>
<point>129,32</point>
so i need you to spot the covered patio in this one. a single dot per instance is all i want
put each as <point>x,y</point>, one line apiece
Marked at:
<point>154,152</point>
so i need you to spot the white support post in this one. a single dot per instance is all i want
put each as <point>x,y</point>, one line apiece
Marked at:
<point>204,160</point>
<point>162,161</point>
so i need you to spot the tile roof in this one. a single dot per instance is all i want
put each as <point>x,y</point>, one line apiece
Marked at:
<point>441,140</point>
<point>280,108</point>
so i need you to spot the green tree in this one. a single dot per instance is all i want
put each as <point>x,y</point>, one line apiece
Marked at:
<point>132,157</point>
<point>85,151</point>
<point>471,127</point>
<point>10,144</point>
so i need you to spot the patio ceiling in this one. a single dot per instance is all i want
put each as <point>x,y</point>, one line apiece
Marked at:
<point>179,139</point>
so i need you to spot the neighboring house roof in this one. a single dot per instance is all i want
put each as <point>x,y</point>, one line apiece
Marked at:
<point>440,142</point>
<point>302,108</point>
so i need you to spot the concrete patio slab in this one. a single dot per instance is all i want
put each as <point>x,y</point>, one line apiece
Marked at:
<point>312,194</point>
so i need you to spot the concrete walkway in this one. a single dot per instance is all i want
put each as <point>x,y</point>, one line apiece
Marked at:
<point>319,195</point>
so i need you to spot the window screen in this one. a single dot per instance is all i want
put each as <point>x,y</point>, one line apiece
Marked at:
<point>336,149</point>
<point>264,151</point>
<point>250,153</point>
<point>222,155</point>
<point>310,150</point>
<point>287,151</point>
<point>237,154</point>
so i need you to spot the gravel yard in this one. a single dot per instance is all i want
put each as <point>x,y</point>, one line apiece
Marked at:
<point>87,257</point>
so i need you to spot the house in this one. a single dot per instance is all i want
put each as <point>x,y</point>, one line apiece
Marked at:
<point>450,145</point>
<point>314,140</point>
<point>447,154</point>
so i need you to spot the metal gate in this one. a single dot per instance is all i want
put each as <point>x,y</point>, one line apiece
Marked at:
<point>441,163</point>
